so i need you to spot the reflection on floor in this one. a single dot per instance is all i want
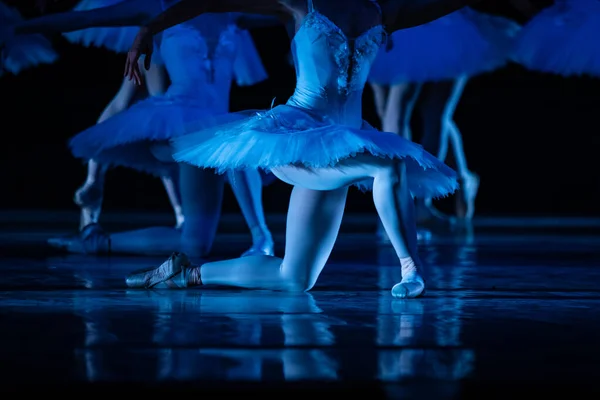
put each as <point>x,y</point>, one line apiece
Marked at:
<point>509,305</point>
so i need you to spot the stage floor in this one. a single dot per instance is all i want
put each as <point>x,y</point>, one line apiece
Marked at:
<point>513,304</point>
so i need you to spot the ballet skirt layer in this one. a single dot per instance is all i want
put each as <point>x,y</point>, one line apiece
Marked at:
<point>562,39</point>
<point>287,135</point>
<point>117,39</point>
<point>466,42</point>
<point>22,51</point>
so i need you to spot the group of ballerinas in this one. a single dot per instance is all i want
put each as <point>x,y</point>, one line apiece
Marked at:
<point>408,50</point>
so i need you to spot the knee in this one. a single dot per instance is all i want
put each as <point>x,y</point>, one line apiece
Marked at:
<point>299,282</point>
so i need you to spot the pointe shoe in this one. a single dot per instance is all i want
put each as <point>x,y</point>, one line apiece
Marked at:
<point>179,221</point>
<point>411,286</point>
<point>263,248</point>
<point>172,274</point>
<point>91,240</point>
<point>469,188</point>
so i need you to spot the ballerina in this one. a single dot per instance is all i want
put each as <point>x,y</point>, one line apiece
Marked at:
<point>215,50</point>
<point>437,53</point>
<point>89,196</point>
<point>24,52</point>
<point>317,142</point>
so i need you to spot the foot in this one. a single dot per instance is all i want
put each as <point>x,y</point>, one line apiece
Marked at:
<point>179,221</point>
<point>90,240</point>
<point>469,187</point>
<point>412,284</point>
<point>89,198</point>
<point>175,273</point>
<point>260,248</point>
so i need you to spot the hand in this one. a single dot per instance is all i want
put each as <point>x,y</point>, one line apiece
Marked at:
<point>143,44</point>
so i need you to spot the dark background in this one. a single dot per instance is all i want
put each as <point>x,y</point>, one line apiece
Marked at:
<point>531,137</point>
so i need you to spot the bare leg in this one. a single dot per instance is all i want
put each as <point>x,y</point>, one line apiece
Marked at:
<point>247,187</point>
<point>171,186</point>
<point>452,135</point>
<point>380,98</point>
<point>409,108</point>
<point>393,109</point>
<point>89,196</point>
<point>314,217</point>
<point>398,109</point>
<point>201,194</point>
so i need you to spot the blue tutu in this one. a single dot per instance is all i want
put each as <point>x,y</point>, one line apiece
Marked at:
<point>117,39</point>
<point>465,42</point>
<point>562,39</point>
<point>126,139</point>
<point>287,135</point>
<point>23,51</point>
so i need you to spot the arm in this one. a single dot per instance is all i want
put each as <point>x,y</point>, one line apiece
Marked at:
<point>185,10</point>
<point>403,14</point>
<point>126,13</point>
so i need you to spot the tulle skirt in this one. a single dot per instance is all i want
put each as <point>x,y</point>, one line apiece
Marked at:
<point>23,51</point>
<point>287,135</point>
<point>562,39</point>
<point>117,39</point>
<point>465,42</point>
<point>127,138</point>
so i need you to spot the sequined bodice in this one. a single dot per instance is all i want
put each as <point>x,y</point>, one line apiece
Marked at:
<point>199,57</point>
<point>332,68</point>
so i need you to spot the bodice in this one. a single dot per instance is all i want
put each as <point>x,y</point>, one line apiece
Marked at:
<point>199,57</point>
<point>332,68</point>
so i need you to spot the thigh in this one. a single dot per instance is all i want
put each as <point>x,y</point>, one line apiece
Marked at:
<point>345,173</point>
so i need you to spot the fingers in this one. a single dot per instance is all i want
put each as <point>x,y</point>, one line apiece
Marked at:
<point>132,69</point>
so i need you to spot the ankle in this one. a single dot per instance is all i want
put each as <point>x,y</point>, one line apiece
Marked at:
<point>261,234</point>
<point>194,277</point>
<point>408,267</point>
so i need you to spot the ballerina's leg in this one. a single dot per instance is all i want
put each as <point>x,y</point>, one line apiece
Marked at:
<point>380,98</point>
<point>247,187</point>
<point>313,222</point>
<point>201,196</point>
<point>398,112</point>
<point>453,136</point>
<point>394,113</point>
<point>90,195</point>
